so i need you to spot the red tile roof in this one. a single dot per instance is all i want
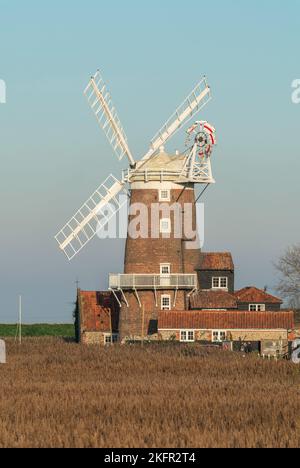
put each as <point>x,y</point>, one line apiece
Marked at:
<point>215,261</point>
<point>213,300</point>
<point>256,296</point>
<point>230,320</point>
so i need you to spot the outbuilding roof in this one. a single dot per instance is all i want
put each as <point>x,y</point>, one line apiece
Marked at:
<point>256,296</point>
<point>216,261</point>
<point>212,300</point>
<point>229,320</point>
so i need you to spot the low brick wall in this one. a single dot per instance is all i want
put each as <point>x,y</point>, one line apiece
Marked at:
<point>93,338</point>
<point>236,335</point>
<point>249,335</point>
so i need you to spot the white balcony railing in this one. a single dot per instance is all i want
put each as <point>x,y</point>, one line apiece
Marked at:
<point>131,282</point>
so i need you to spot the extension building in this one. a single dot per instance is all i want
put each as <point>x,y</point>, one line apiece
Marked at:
<point>212,315</point>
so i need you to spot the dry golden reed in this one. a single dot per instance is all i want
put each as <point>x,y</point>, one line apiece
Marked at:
<point>59,394</point>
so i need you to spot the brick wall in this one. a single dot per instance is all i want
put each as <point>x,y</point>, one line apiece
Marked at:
<point>144,256</point>
<point>93,338</point>
<point>246,335</point>
<point>131,323</point>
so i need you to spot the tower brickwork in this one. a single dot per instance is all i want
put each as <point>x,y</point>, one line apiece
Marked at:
<point>146,255</point>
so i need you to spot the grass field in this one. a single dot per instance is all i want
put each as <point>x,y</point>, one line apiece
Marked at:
<point>38,330</point>
<point>59,394</point>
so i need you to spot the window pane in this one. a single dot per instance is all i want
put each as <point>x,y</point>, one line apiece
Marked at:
<point>165,269</point>
<point>191,336</point>
<point>165,195</point>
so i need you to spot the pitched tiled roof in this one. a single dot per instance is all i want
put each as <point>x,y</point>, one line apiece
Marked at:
<point>213,300</point>
<point>254,295</point>
<point>215,261</point>
<point>230,320</point>
<point>93,316</point>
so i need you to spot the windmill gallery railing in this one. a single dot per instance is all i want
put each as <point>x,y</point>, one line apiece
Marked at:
<point>153,282</point>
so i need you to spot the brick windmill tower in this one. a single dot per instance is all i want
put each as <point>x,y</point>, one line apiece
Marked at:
<point>162,248</point>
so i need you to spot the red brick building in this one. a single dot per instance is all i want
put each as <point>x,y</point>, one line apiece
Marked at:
<point>211,316</point>
<point>97,317</point>
<point>167,280</point>
<point>217,326</point>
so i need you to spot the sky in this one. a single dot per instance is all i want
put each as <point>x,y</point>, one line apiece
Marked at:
<point>53,155</point>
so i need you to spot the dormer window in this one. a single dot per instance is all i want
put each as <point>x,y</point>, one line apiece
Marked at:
<point>220,283</point>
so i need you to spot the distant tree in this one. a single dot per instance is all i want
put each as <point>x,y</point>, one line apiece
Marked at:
<point>289,268</point>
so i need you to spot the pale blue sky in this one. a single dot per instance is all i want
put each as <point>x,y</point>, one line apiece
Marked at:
<point>152,54</point>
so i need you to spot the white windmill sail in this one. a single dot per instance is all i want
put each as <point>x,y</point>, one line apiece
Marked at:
<point>196,100</point>
<point>105,203</point>
<point>101,103</point>
<point>92,217</point>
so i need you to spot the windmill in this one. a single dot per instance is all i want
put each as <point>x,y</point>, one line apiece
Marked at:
<point>173,177</point>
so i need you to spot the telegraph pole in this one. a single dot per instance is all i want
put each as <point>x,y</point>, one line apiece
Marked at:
<point>20,320</point>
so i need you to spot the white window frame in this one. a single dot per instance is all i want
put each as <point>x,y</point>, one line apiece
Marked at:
<point>168,195</point>
<point>165,265</point>
<point>167,230</point>
<point>219,279</point>
<point>164,297</point>
<point>257,307</point>
<point>219,339</point>
<point>185,336</point>
<point>110,339</point>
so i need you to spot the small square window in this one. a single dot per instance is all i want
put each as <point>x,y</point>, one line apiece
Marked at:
<point>183,336</point>
<point>165,226</point>
<point>166,303</point>
<point>108,339</point>
<point>191,336</point>
<point>222,336</point>
<point>164,195</point>
<point>165,269</point>
<point>111,339</point>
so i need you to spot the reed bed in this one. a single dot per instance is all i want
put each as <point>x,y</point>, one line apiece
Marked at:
<point>54,393</point>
